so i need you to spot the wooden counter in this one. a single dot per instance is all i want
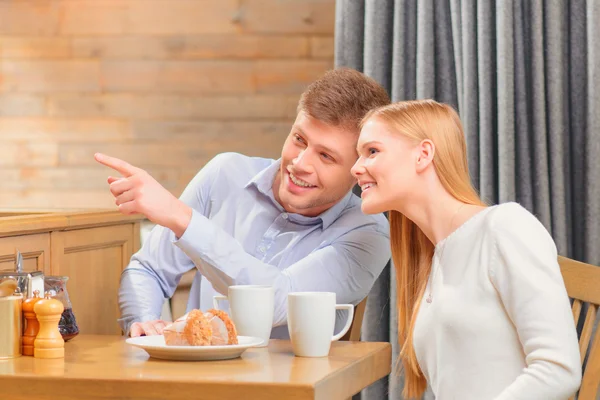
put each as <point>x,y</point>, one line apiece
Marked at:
<point>105,367</point>
<point>90,247</point>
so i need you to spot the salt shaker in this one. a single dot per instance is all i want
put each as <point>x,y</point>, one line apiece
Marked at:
<point>33,326</point>
<point>49,342</point>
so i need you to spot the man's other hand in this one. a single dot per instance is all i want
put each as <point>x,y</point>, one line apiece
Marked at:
<point>147,328</point>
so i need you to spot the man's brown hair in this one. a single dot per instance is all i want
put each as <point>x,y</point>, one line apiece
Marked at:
<point>342,97</point>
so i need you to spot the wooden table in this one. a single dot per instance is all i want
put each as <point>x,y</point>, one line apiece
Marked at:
<point>105,367</point>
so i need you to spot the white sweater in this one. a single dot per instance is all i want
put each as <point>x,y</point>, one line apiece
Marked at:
<point>500,324</point>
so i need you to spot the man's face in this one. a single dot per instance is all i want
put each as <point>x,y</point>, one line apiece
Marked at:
<point>315,166</point>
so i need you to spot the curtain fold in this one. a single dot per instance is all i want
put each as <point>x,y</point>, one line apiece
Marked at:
<point>525,79</point>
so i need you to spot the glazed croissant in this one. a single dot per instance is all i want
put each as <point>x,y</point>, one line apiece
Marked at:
<point>213,328</point>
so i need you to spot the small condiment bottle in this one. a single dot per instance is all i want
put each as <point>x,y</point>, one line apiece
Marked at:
<point>33,326</point>
<point>48,342</point>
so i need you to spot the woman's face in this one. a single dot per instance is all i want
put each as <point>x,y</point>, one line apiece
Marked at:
<point>386,168</point>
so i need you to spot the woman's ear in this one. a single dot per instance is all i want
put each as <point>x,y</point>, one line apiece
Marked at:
<point>425,153</point>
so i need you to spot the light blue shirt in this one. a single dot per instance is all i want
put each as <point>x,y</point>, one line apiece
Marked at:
<point>240,235</point>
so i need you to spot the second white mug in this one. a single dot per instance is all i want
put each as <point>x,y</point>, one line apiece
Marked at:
<point>311,322</point>
<point>251,308</point>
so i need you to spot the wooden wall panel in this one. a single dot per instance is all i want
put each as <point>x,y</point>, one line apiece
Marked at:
<point>164,84</point>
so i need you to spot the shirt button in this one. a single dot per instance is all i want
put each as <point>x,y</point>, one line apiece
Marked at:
<point>262,249</point>
<point>284,216</point>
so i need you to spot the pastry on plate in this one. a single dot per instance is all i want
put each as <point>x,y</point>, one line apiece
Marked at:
<point>223,328</point>
<point>201,329</point>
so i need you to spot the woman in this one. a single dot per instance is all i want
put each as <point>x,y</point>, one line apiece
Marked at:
<point>482,308</point>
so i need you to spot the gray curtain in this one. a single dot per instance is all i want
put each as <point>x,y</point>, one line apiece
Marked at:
<point>525,78</point>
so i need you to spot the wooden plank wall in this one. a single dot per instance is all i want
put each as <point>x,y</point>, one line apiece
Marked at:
<point>165,84</point>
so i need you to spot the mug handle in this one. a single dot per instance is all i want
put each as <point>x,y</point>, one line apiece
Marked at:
<point>216,300</point>
<point>350,309</point>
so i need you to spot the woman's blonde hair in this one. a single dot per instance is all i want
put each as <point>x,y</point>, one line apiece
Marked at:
<point>412,251</point>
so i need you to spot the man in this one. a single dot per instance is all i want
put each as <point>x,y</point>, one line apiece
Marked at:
<point>291,223</point>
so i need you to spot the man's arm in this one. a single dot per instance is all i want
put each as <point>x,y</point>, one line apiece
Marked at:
<point>155,270</point>
<point>150,278</point>
<point>348,266</point>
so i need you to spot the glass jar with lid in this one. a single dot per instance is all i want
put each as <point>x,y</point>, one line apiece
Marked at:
<point>57,286</point>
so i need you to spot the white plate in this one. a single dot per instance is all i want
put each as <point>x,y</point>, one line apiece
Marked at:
<point>155,346</point>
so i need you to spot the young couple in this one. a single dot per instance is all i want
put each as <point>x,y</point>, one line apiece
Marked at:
<point>482,308</point>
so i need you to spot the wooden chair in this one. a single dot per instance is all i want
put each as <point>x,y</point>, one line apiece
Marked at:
<point>353,334</point>
<point>583,286</point>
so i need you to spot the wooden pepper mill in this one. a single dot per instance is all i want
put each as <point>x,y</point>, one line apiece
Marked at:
<point>49,342</point>
<point>33,326</point>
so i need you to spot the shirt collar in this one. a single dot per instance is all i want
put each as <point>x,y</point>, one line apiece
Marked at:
<point>263,181</point>
<point>330,215</point>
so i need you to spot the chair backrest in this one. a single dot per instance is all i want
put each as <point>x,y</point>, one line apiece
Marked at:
<point>583,286</point>
<point>353,334</point>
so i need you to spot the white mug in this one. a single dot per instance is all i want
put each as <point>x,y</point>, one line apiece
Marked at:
<point>311,321</point>
<point>251,308</point>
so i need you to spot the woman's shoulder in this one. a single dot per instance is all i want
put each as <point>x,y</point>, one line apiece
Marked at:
<point>510,215</point>
<point>511,221</point>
